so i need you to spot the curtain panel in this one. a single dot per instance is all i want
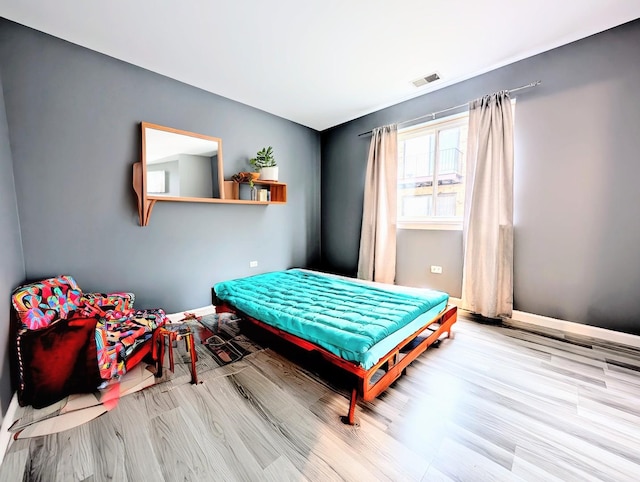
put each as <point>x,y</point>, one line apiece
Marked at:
<point>487,279</point>
<point>377,258</point>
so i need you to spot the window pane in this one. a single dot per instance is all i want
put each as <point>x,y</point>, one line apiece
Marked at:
<point>446,205</point>
<point>417,158</point>
<point>417,206</point>
<point>451,170</point>
<point>450,159</point>
<point>155,181</point>
<point>434,152</point>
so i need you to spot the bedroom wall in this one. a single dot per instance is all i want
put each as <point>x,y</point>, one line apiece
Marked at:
<point>74,119</point>
<point>577,232</point>
<point>11,259</point>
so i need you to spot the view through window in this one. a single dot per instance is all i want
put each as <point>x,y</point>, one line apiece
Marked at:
<point>431,171</point>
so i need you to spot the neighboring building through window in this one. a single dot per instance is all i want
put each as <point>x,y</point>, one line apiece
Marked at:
<point>431,171</point>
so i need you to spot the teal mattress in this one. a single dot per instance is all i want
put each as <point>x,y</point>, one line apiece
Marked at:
<point>356,321</point>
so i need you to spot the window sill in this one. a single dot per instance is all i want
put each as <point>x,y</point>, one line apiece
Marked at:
<point>457,226</point>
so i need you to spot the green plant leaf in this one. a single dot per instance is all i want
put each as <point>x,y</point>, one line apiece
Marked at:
<point>264,158</point>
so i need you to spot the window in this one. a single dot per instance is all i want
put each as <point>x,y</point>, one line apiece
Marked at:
<point>431,170</point>
<point>155,182</point>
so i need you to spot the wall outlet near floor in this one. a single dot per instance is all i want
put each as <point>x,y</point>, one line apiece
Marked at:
<point>436,269</point>
<point>253,264</point>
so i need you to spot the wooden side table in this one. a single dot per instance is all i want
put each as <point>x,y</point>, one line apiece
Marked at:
<point>169,333</point>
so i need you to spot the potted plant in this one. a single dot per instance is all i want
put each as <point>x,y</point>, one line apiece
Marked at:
<point>266,164</point>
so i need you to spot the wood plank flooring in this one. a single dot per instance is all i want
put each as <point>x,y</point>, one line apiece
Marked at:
<point>492,403</point>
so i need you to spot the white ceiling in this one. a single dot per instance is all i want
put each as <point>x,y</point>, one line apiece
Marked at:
<point>320,63</point>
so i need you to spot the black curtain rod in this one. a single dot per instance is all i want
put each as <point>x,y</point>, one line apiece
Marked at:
<point>434,114</point>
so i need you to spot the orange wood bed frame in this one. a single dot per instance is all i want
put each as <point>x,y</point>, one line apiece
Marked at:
<point>393,363</point>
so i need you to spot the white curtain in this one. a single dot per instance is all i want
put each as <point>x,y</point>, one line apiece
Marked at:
<point>377,260</point>
<point>487,279</point>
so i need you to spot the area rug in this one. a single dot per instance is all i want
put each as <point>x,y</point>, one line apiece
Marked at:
<point>78,409</point>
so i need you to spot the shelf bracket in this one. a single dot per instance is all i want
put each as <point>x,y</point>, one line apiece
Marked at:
<point>145,206</point>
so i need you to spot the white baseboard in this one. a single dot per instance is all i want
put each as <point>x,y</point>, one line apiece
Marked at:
<point>205,310</point>
<point>7,421</point>
<point>521,319</point>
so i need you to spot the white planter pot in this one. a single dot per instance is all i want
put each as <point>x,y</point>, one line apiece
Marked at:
<point>269,173</point>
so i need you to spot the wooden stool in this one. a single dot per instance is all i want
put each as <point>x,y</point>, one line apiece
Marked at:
<point>171,332</point>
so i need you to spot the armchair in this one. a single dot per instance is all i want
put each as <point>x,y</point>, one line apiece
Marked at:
<point>68,341</point>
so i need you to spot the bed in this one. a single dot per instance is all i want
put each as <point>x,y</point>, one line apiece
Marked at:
<point>371,330</point>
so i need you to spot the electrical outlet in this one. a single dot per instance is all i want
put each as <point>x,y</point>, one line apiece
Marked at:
<point>253,264</point>
<point>436,269</point>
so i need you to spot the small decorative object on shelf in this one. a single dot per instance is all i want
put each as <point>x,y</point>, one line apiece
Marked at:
<point>266,164</point>
<point>248,177</point>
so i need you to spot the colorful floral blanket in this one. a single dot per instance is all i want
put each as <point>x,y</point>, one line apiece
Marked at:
<point>119,328</point>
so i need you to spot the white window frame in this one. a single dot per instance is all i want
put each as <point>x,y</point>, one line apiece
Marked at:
<point>439,223</point>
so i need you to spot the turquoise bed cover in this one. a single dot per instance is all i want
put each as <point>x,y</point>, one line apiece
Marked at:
<point>355,321</point>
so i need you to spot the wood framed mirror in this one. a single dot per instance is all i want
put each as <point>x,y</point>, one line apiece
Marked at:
<point>178,166</point>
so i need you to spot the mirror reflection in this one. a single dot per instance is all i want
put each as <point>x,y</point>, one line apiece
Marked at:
<point>181,164</point>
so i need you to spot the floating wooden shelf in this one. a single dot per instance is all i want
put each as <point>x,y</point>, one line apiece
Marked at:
<point>147,202</point>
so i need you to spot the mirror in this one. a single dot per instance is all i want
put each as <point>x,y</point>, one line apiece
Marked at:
<point>181,164</point>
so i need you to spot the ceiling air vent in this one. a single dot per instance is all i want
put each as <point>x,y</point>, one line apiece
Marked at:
<point>426,80</point>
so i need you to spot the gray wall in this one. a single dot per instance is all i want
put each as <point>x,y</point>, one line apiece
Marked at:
<point>414,260</point>
<point>74,121</point>
<point>577,231</point>
<point>11,259</point>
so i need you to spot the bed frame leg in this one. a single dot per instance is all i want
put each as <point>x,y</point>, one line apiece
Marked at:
<point>350,419</point>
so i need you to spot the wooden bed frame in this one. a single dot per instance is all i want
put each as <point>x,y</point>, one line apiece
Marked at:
<point>393,363</point>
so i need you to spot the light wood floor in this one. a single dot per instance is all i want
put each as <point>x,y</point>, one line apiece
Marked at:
<point>492,403</point>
